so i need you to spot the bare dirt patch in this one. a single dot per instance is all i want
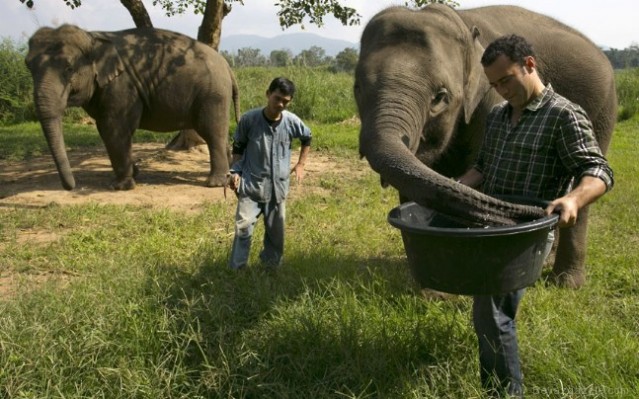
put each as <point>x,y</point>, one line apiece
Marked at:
<point>167,179</point>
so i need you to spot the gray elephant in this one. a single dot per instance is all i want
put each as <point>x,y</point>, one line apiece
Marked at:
<point>140,78</point>
<point>423,99</point>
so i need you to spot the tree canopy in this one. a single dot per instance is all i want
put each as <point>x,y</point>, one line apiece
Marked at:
<point>291,12</point>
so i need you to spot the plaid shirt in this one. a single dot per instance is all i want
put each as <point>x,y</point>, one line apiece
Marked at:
<point>552,144</point>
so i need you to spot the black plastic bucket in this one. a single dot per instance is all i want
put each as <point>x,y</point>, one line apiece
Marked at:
<point>447,257</point>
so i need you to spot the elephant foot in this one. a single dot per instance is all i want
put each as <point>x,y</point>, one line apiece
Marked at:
<point>216,180</point>
<point>126,184</point>
<point>573,279</point>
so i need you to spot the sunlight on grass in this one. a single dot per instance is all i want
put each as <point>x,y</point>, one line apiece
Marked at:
<point>140,303</point>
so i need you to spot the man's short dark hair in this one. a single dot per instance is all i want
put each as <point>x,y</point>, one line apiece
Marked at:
<point>512,46</point>
<point>284,85</point>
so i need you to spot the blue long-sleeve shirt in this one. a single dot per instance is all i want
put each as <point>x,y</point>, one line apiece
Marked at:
<point>266,149</point>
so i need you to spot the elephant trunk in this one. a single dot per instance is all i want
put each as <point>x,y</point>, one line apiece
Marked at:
<point>50,110</point>
<point>53,132</point>
<point>389,156</point>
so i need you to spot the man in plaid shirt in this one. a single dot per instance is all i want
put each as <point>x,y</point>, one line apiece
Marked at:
<point>538,144</point>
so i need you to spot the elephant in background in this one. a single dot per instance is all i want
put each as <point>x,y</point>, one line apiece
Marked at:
<point>423,99</point>
<point>139,78</point>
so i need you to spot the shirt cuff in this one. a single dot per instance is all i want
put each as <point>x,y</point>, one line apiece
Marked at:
<point>605,175</point>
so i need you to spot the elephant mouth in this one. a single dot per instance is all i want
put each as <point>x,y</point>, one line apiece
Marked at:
<point>74,98</point>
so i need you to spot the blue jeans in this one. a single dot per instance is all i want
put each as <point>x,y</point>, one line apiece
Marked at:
<point>494,322</point>
<point>248,211</point>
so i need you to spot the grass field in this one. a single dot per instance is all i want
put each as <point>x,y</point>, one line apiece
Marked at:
<point>130,302</point>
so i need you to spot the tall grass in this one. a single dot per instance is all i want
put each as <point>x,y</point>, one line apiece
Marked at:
<point>627,82</point>
<point>130,302</point>
<point>321,96</point>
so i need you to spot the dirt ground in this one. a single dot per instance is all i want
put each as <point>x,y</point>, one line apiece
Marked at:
<point>167,179</point>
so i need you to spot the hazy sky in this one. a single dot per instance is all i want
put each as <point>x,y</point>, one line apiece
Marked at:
<point>612,23</point>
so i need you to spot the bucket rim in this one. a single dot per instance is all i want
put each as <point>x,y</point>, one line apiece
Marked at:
<point>547,222</point>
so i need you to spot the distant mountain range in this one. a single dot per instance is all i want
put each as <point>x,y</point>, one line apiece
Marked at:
<point>295,42</point>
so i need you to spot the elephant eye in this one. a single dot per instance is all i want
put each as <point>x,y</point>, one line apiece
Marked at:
<point>439,101</point>
<point>442,95</point>
<point>68,66</point>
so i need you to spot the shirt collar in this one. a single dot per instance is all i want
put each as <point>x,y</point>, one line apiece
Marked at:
<point>541,99</point>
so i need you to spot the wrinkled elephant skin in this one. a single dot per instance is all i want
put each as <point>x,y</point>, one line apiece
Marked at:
<point>423,100</point>
<point>139,78</point>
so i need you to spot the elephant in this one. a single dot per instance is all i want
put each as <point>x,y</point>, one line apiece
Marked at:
<point>139,78</point>
<point>423,99</point>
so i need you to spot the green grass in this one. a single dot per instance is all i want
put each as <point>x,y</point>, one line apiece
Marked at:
<point>627,82</point>
<point>321,96</point>
<point>129,302</point>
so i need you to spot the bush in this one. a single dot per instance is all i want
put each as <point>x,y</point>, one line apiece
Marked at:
<point>16,86</point>
<point>627,82</point>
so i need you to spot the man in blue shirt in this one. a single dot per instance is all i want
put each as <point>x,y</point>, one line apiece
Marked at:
<point>260,172</point>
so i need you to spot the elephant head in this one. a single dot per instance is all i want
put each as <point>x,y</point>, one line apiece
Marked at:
<point>422,98</point>
<point>67,64</point>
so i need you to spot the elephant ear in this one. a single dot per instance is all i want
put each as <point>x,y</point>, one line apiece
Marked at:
<point>107,63</point>
<point>475,83</point>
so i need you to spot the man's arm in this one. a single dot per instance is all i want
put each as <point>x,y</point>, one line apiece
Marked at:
<point>472,178</point>
<point>588,190</point>
<point>299,167</point>
<point>580,153</point>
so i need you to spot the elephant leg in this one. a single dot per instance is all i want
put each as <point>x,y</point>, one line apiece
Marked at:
<point>569,270</point>
<point>215,132</point>
<point>118,145</point>
<point>219,166</point>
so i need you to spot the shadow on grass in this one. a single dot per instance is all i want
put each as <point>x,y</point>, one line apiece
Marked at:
<point>320,325</point>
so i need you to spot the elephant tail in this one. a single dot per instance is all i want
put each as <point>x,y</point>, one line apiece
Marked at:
<point>236,96</point>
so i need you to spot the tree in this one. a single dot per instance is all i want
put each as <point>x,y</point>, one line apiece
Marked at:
<point>248,56</point>
<point>229,57</point>
<point>345,60</point>
<point>281,58</point>
<point>16,88</point>
<point>291,12</point>
<point>312,57</point>
<point>626,58</point>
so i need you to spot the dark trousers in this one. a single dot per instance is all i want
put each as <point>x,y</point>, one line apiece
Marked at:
<point>494,322</point>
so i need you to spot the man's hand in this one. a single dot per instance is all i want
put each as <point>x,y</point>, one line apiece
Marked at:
<point>298,169</point>
<point>567,208</point>
<point>234,182</point>
<point>587,191</point>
